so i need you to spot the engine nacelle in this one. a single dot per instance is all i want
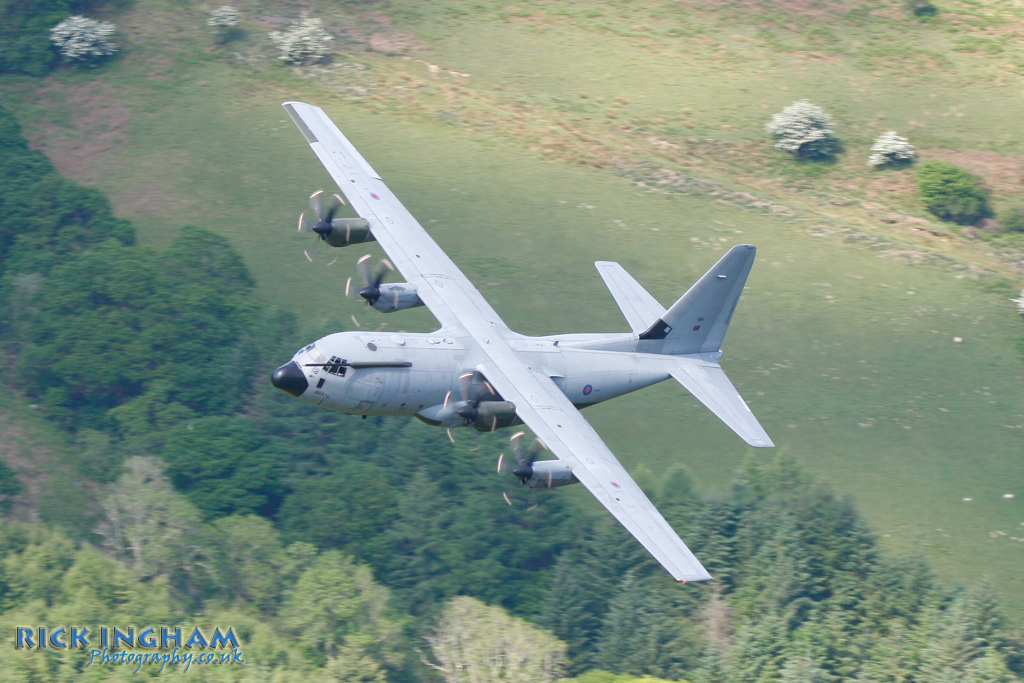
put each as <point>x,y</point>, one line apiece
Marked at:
<point>346,231</point>
<point>396,296</point>
<point>549,474</point>
<point>492,415</point>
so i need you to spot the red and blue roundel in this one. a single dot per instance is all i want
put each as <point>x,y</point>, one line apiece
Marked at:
<point>587,389</point>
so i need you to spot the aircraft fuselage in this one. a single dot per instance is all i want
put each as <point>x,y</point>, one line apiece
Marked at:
<point>381,373</point>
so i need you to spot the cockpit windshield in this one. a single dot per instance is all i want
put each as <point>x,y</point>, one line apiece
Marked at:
<point>336,366</point>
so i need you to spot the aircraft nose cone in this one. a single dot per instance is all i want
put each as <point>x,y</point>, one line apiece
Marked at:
<point>290,379</point>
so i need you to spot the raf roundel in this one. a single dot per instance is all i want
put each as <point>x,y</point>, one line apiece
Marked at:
<point>587,389</point>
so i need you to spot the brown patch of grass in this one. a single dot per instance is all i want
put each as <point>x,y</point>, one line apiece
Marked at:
<point>96,127</point>
<point>816,56</point>
<point>1003,174</point>
<point>885,185</point>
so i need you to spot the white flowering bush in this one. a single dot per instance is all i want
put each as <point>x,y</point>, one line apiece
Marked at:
<point>307,42</point>
<point>224,20</point>
<point>890,148</point>
<point>81,39</point>
<point>804,129</point>
<point>1019,302</point>
<point>224,16</point>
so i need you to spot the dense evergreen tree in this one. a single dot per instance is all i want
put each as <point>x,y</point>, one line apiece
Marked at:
<point>575,605</point>
<point>643,634</point>
<point>952,193</point>
<point>25,35</point>
<point>352,507</point>
<point>9,487</point>
<point>225,466</point>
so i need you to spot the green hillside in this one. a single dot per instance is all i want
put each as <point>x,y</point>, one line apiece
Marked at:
<point>877,345</point>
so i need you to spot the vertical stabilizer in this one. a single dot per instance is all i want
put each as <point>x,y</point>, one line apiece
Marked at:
<point>697,322</point>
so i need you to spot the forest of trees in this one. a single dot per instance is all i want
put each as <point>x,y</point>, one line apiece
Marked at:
<point>191,492</point>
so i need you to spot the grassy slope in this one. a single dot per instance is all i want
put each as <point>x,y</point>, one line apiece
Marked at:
<point>843,348</point>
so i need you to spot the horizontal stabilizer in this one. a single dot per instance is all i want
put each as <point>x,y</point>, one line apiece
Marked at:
<point>706,380</point>
<point>640,308</point>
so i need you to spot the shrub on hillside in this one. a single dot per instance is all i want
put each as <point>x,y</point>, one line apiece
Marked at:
<point>307,42</point>
<point>24,36</point>
<point>224,21</point>
<point>952,193</point>
<point>891,149</point>
<point>1013,219</point>
<point>921,8</point>
<point>80,39</point>
<point>805,130</point>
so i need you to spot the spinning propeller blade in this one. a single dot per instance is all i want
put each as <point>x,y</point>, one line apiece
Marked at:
<point>522,468</point>
<point>371,280</point>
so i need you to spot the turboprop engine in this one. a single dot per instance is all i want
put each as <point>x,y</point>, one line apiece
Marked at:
<point>337,232</point>
<point>549,474</point>
<point>536,474</point>
<point>480,407</point>
<point>394,296</point>
<point>386,298</point>
<point>488,416</point>
<point>345,231</point>
<point>483,416</point>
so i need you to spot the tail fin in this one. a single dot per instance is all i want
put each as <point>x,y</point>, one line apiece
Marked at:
<point>697,322</point>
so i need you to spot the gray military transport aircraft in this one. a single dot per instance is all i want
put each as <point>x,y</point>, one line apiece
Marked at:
<point>476,372</point>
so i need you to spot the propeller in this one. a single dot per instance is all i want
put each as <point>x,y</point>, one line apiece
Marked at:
<point>473,389</point>
<point>324,211</point>
<point>524,458</point>
<point>372,281</point>
<point>523,466</point>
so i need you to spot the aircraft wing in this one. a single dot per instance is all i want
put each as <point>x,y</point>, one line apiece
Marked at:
<point>456,303</point>
<point>543,407</point>
<point>442,287</point>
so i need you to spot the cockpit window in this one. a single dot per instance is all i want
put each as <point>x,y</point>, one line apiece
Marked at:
<point>336,366</point>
